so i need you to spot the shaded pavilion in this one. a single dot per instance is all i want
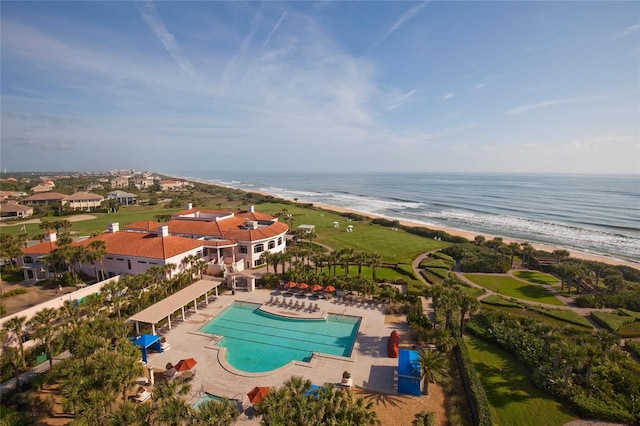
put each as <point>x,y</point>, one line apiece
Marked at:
<point>180,300</point>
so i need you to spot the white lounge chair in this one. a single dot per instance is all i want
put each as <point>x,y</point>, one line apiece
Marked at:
<point>142,395</point>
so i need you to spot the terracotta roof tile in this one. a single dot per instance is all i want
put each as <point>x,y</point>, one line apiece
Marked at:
<point>145,245</point>
<point>46,196</point>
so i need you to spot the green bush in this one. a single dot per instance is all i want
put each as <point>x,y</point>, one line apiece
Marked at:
<point>14,292</point>
<point>431,277</point>
<point>629,330</point>
<point>596,408</point>
<point>563,315</point>
<point>497,300</point>
<point>426,418</point>
<point>434,263</point>
<point>633,346</point>
<point>627,312</point>
<point>478,395</point>
<point>443,256</point>
<point>611,321</point>
<point>586,301</point>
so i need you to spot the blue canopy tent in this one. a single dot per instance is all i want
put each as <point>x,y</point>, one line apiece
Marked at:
<point>409,372</point>
<point>314,391</point>
<point>147,341</point>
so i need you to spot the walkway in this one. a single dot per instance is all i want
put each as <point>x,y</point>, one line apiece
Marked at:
<point>10,385</point>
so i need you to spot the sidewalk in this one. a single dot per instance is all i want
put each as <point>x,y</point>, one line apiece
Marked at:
<point>26,376</point>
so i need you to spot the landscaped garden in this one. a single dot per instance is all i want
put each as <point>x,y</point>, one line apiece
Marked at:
<point>536,277</point>
<point>510,287</point>
<point>512,397</point>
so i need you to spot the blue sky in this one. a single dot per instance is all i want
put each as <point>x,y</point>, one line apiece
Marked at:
<point>174,86</point>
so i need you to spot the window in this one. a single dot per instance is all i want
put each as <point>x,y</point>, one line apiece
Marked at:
<point>243,249</point>
<point>109,257</point>
<point>142,261</point>
<point>205,252</point>
<point>279,241</point>
<point>258,262</point>
<point>259,248</point>
<point>28,259</point>
<point>119,260</point>
<point>272,244</point>
<point>129,263</point>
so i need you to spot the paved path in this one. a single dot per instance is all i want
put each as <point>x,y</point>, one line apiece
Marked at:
<point>10,385</point>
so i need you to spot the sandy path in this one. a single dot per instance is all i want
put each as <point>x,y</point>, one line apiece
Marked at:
<point>74,218</point>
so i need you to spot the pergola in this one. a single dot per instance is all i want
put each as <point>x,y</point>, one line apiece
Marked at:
<point>163,309</point>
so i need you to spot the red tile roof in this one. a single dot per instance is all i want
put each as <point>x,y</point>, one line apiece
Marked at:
<point>143,225</point>
<point>144,245</point>
<point>45,196</point>
<point>83,196</point>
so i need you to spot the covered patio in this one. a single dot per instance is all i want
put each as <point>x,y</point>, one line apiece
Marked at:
<point>180,300</point>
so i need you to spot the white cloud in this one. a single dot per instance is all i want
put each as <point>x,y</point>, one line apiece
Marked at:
<point>625,32</point>
<point>153,19</point>
<point>479,86</point>
<point>399,23</point>
<point>275,28</point>
<point>553,102</point>
<point>448,96</point>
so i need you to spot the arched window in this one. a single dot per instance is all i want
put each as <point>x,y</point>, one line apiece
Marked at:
<point>279,241</point>
<point>272,244</point>
<point>259,248</point>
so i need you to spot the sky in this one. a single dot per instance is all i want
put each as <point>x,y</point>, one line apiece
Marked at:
<point>179,86</point>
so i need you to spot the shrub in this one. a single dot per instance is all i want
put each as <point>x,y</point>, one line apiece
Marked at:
<point>586,301</point>
<point>431,277</point>
<point>13,292</point>
<point>628,330</point>
<point>611,321</point>
<point>589,406</point>
<point>426,418</point>
<point>633,346</point>
<point>563,315</point>
<point>497,300</point>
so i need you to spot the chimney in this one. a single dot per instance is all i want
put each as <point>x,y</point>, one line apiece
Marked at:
<point>50,236</point>
<point>189,206</point>
<point>114,227</point>
<point>163,231</point>
<point>251,209</point>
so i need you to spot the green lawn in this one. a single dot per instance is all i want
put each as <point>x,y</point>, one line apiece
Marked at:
<point>536,277</point>
<point>510,287</point>
<point>513,399</point>
<point>394,246</point>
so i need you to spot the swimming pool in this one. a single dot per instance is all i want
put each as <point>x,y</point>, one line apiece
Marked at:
<point>205,397</point>
<point>257,341</point>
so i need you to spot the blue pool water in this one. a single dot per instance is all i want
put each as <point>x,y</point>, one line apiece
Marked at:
<point>205,397</point>
<point>258,342</point>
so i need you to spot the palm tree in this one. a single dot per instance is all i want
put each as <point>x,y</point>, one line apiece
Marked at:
<point>513,247</point>
<point>215,413</point>
<point>433,365</point>
<point>374,260</point>
<point>16,325</point>
<point>46,329</point>
<point>561,255</point>
<point>479,240</point>
<point>15,358</point>
<point>467,304</point>
<point>527,252</point>
<point>98,249</point>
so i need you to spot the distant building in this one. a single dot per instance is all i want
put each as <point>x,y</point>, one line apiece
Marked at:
<point>15,211</point>
<point>85,201</point>
<point>143,183</point>
<point>120,182</point>
<point>124,198</point>
<point>44,199</point>
<point>41,188</point>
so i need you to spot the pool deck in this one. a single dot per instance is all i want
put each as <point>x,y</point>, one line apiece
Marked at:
<point>369,365</point>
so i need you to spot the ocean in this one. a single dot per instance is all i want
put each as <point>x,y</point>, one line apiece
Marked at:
<point>597,214</point>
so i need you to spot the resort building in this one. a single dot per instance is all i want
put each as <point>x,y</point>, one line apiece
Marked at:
<point>174,184</point>
<point>44,199</point>
<point>120,182</point>
<point>124,198</point>
<point>237,239</point>
<point>85,201</point>
<point>15,211</point>
<point>144,183</point>
<point>128,253</point>
<point>230,243</point>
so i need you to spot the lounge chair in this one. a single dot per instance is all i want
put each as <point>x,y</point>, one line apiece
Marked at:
<point>303,305</point>
<point>142,395</point>
<point>316,308</point>
<point>270,302</point>
<point>170,373</point>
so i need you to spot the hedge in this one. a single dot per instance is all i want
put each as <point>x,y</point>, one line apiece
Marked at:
<point>563,315</point>
<point>473,385</point>
<point>431,277</point>
<point>629,330</point>
<point>633,346</point>
<point>497,300</point>
<point>611,321</point>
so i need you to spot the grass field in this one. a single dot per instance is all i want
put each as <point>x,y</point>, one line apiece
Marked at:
<point>514,400</point>
<point>394,246</point>
<point>536,277</point>
<point>510,287</point>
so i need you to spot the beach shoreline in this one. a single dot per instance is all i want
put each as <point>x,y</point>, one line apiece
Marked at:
<point>577,254</point>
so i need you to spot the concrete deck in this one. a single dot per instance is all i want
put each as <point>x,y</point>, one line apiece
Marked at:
<point>369,365</point>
